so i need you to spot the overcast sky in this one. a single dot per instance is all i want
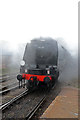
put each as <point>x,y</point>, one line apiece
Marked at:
<point>22,20</point>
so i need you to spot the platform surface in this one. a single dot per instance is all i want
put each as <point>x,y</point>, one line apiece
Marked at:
<point>65,105</point>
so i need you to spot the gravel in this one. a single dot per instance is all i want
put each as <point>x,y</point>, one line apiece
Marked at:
<point>23,106</point>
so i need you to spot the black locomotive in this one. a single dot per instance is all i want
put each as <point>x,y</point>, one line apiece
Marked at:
<point>39,65</point>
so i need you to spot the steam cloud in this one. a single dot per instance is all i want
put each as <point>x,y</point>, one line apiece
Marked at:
<point>68,63</point>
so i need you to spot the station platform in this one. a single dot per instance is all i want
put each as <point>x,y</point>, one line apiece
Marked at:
<point>65,105</point>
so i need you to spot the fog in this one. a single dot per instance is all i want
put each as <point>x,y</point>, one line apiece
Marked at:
<point>67,61</point>
<point>11,56</point>
<point>22,21</point>
<point>68,64</point>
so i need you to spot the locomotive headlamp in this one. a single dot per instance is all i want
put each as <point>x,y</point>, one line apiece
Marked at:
<point>25,70</point>
<point>22,63</point>
<point>48,71</point>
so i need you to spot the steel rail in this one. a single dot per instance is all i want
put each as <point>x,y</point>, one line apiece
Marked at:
<point>4,106</point>
<point>7,78</point>
<point>7,74</point>
<point>30,115</point>
<point>5,91</point>
<point>4,87</point>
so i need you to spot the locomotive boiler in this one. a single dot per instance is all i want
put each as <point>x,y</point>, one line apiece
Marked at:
<point>39,66</point>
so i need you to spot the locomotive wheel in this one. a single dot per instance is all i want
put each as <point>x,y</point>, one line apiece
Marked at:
<point>49,86</point>
<point>30,85</point>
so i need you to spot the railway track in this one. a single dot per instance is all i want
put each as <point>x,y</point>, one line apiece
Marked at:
<point>33,111</point>
<point>7,77</point>
<point>28,105</point>
<point>7,104</point>
<point>10,89</point>
<point>6,86</point>
<point>7,74</point>
<point>30,114</point>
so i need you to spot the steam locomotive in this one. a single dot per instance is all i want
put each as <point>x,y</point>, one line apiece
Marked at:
<point>39,64</point>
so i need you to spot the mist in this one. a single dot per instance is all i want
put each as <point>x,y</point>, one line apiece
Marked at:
<point>11,54</point>
<point>68,64</point>
<point>67,61</point>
